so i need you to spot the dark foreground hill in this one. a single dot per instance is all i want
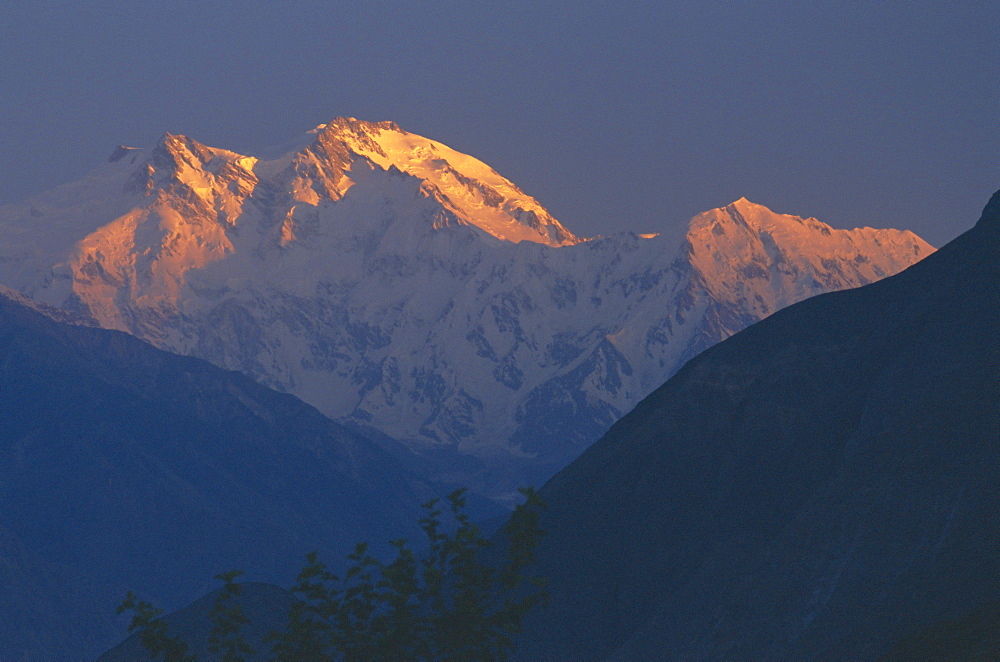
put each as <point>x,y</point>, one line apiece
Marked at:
<point>822,485</point>
<point>125,467</point>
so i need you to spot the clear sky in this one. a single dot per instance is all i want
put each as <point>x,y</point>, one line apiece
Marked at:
<point>615,115</point>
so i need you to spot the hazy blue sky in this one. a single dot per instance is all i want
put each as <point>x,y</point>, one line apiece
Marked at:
<point>614,115</point>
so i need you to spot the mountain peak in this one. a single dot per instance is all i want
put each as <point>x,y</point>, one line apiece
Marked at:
<point>466,186</point>
<point>749,208</point>
<point>179,160</point>
<point>749,234</point>
<point>354,134</point>
<point>354,125</point>
<point>179,146</point>
<point>173,153</point>
<point>364,271</point>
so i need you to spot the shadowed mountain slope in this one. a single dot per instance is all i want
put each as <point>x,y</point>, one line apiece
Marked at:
<point>819,486</point>
<point>125,467</point>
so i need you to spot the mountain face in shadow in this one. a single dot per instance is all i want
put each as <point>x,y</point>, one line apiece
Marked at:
<point>125,467</point>
<point>820,486</point>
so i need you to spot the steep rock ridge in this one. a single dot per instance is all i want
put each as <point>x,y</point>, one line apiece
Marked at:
<point>817,487</point>
<point>407,288</point>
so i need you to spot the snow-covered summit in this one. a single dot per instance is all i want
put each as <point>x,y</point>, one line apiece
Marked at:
<point>402,286</point>
<point>474,192</point>
<point>760,244</point>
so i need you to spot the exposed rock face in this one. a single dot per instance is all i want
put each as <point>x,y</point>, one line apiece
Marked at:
<point>819,486</point>
<point>407,288</point>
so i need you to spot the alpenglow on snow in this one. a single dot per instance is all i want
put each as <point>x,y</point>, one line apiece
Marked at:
<point>409,289</point>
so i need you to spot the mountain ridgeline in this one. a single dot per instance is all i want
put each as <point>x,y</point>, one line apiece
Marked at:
<point>822,485</point>
<point>410,291</point>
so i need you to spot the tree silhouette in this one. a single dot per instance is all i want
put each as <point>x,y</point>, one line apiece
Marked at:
<point>446,604</point>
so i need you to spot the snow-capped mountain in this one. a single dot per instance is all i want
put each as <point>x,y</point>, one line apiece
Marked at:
<point>408,288</point>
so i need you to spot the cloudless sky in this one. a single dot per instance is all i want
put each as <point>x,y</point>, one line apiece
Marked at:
<point>615,115</point>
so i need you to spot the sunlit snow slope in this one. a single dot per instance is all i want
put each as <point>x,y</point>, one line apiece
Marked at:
<point>405,287</point>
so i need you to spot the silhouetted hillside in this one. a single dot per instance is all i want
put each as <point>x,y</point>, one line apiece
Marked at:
<point>819,486</point>
<point>125,467</point>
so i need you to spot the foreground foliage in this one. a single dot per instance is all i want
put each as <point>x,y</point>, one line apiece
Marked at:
<point>447,604</point>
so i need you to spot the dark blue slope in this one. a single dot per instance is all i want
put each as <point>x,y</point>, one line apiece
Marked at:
<point>819,486</point>
<point>124,467</point>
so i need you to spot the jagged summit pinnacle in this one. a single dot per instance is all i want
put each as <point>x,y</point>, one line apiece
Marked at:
<point>176,143</point>
<point>354,125</point>
<point>743,205</point>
